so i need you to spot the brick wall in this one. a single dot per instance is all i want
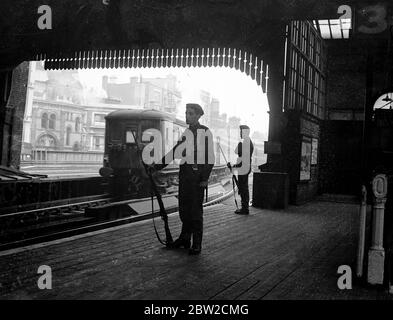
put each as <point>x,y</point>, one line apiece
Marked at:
<point>341,140</point>
<point>346,75</point>
<point>341,157</point>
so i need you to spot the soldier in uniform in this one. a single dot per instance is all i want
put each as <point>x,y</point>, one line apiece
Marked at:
<point>193,179</point>
<point>244,151</point>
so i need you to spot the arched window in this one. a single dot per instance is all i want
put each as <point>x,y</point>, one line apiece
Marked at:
<point>68,136</point>
<point>44,120</point>
<point>77,124</point>
<point>52,121</point>
<point>385,101</point>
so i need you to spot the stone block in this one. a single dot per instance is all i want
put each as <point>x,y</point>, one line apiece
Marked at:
<point>376,265</point>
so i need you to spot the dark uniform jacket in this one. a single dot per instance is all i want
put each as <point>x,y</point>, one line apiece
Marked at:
<point>239,151</point>
<point>205,166</point>
<point>190,175</point>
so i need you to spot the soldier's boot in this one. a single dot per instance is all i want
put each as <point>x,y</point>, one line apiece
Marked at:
<point>196,243</point>
<point>245,204</point>
<point>184,240</point>
<point>243,210</point>
<point>180,242</point>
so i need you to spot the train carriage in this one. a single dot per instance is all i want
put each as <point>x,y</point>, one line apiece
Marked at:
<point>123,125</point>
<point>121,159</point>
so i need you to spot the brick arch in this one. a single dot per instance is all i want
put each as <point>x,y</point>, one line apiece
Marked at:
<point>238,59</point>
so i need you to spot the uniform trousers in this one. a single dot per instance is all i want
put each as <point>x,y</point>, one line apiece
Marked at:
<point>190,203</point>
<point>243,190</point>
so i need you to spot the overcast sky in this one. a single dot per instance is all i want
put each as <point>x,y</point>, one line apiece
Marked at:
<point>238,94</point>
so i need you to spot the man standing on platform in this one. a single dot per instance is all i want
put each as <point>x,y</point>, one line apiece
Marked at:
<point>196,150</point>
<point>244,151</point>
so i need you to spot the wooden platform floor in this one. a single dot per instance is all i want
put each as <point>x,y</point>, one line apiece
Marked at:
<point>283,254</point>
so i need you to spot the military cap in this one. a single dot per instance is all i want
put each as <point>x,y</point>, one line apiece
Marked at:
<point>196,107</point>
<point>244,126</point>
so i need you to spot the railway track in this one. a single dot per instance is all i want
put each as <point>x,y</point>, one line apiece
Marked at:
<point>26,227</point>
<point>22,225</point>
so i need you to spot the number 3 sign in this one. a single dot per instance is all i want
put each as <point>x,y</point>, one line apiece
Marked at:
<point>373,19</point>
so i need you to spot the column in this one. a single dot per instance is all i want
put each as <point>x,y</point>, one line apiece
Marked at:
<point>376,253</point>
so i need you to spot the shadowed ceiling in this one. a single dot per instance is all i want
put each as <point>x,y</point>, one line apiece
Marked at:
<point>91,24</point>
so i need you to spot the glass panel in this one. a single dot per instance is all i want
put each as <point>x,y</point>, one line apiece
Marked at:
<point>335,28</point>
<point>99,117</point>
<point>336,31</point>
<point>305,66</point>
<point>130,135</point>
<point>325,31</point>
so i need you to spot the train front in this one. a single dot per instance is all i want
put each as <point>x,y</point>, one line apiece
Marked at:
<point>122,157</point>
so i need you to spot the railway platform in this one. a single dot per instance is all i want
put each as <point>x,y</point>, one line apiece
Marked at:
<point>269,254</point>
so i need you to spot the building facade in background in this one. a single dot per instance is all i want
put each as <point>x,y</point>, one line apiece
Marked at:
<point>64,120</point>
<point>149,93</point>
<point>63,117</point>
<point>226,132</point>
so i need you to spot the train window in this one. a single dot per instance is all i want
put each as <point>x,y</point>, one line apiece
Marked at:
<point>115,131</point>
<point>130,134</point>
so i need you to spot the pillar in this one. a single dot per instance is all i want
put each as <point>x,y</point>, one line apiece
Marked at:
<point>376,253</point>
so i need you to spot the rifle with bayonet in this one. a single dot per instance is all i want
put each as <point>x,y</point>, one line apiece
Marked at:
<point>234,178</point>
<point>163,213</point>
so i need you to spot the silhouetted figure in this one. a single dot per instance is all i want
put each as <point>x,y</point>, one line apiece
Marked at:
<point>193,179</point>
<point>244,150</point>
